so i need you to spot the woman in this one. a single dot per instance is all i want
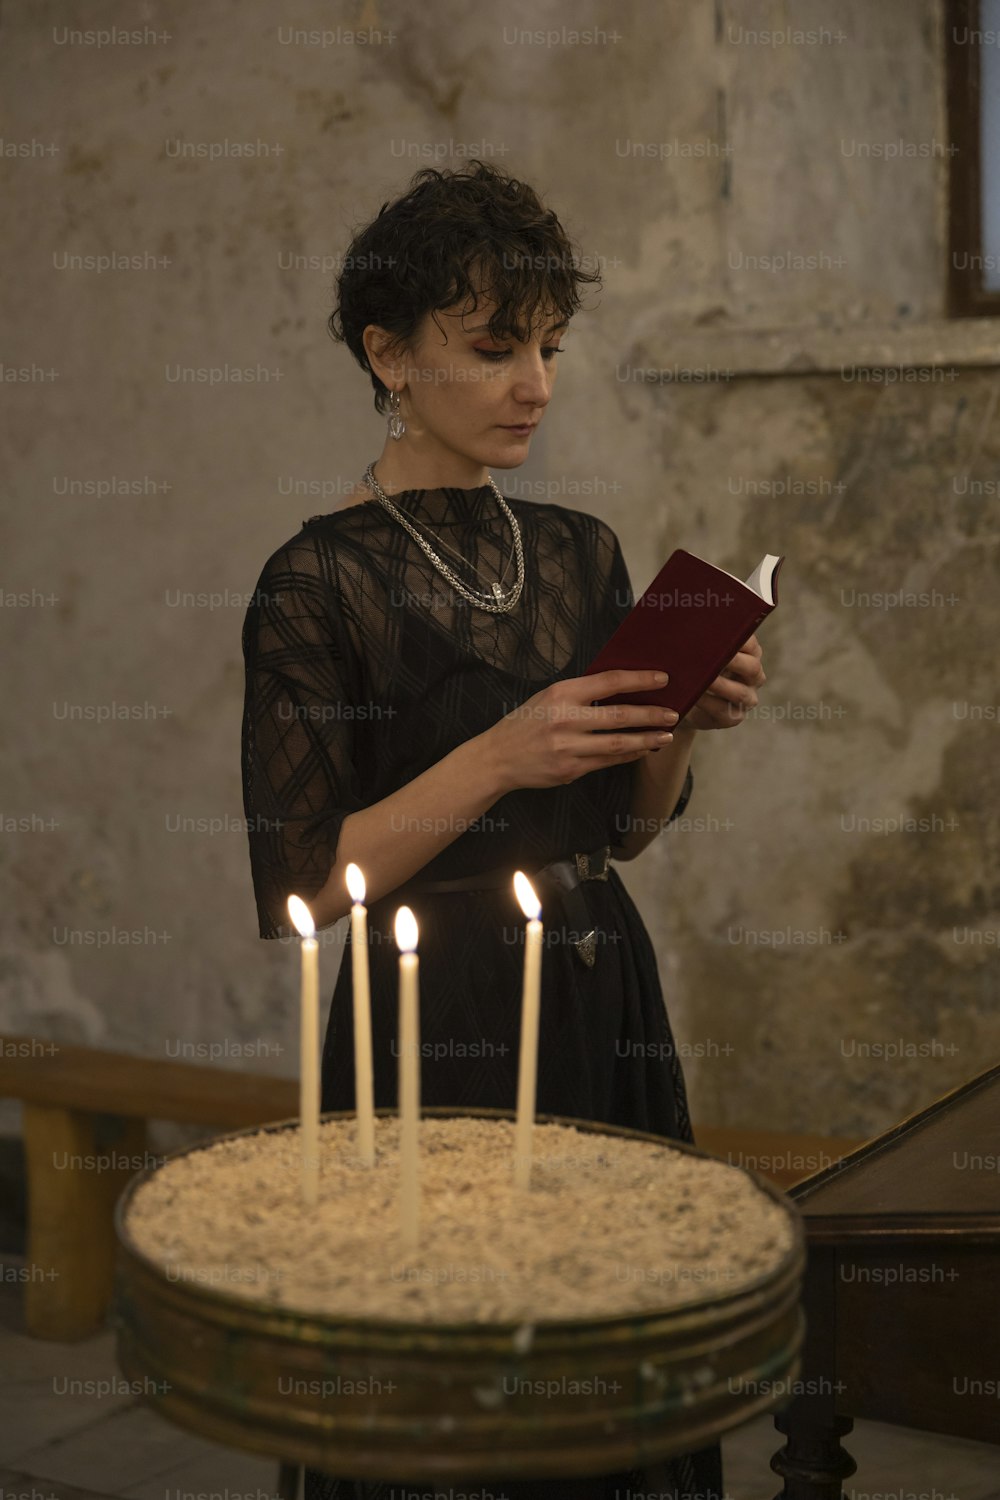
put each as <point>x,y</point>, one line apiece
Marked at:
<point>415,704</point>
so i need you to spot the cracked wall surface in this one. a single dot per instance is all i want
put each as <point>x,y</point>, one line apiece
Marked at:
<point>688,159</point>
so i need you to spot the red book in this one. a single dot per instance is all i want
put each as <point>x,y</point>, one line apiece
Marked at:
<point>690,622</point>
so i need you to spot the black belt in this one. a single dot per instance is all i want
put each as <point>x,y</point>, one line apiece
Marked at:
<point>560,878</point>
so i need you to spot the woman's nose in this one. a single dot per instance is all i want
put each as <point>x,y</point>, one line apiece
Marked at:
<point>531,384</point>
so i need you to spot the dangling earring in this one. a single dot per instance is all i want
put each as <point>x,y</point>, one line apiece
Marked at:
<point>396,424</point>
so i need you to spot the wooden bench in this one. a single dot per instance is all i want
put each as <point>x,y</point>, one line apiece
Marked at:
<point>85,1117</point>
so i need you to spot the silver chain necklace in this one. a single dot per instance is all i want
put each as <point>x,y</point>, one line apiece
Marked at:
<point>500,600</point>
<point>464,560</point>
<point>455,553</point>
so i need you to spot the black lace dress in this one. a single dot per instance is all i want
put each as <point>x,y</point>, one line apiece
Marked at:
<point>363,668</point>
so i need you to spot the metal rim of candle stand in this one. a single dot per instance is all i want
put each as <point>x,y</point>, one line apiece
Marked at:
<point>206,1351</point>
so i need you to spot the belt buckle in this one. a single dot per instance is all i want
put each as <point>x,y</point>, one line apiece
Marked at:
<point>583,864</point>
<point>562,871</point>
<point>586,947</point>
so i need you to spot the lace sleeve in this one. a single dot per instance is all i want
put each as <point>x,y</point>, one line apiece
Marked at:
<point>621,599</point>
<point>299,772</point>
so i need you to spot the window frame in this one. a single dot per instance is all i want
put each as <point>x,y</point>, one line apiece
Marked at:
<point>967,296</point>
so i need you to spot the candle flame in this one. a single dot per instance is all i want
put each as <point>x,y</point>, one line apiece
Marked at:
<point>301,917</point>
<point>406,930</point>
<point>355,882</point>
<point>525,892</point>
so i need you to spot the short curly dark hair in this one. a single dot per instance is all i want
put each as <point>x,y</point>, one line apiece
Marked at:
<point>451,237</point>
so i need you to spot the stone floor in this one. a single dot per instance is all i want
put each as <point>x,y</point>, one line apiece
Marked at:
<point>59,1444</point>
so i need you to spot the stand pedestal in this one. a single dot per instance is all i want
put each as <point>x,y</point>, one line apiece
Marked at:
<point>440,1402</point>
<point>900,1292</point>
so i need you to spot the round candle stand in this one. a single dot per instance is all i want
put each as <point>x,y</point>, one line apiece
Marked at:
<point>440,1402</point>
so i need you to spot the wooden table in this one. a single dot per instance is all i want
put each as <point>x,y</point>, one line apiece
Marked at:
<point>902,1289</point>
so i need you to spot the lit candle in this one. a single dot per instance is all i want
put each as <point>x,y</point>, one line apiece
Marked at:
<point>530,1000</point>
<point>364,1103</point>
<point>409,1078</point>
<point>309,1092</point>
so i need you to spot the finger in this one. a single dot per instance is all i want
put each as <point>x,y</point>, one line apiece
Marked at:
<point>719,713</point>
<point>626,715</point>
<point>625,742</point>
<point>724,714</point>
<point>747,668</point>
<point>615,680</point>
<point>732,691</point>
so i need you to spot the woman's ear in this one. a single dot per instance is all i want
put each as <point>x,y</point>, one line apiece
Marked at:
<point>384,355</point>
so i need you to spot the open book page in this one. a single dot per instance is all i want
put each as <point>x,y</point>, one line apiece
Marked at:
<point>761,580</point>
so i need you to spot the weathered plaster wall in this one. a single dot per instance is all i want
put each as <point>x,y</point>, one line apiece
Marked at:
<point>681,148</point>
<point>837,921</point>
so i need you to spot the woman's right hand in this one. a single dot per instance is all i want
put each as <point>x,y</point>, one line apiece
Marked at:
<point>555,736</point>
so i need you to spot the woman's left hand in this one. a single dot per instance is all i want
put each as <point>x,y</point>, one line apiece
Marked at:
<point>726,700</point>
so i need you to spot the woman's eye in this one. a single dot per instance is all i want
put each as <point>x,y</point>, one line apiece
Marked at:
<point>499,354</point>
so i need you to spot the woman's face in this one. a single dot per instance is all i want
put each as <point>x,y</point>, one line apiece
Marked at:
<point>470,395</point>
